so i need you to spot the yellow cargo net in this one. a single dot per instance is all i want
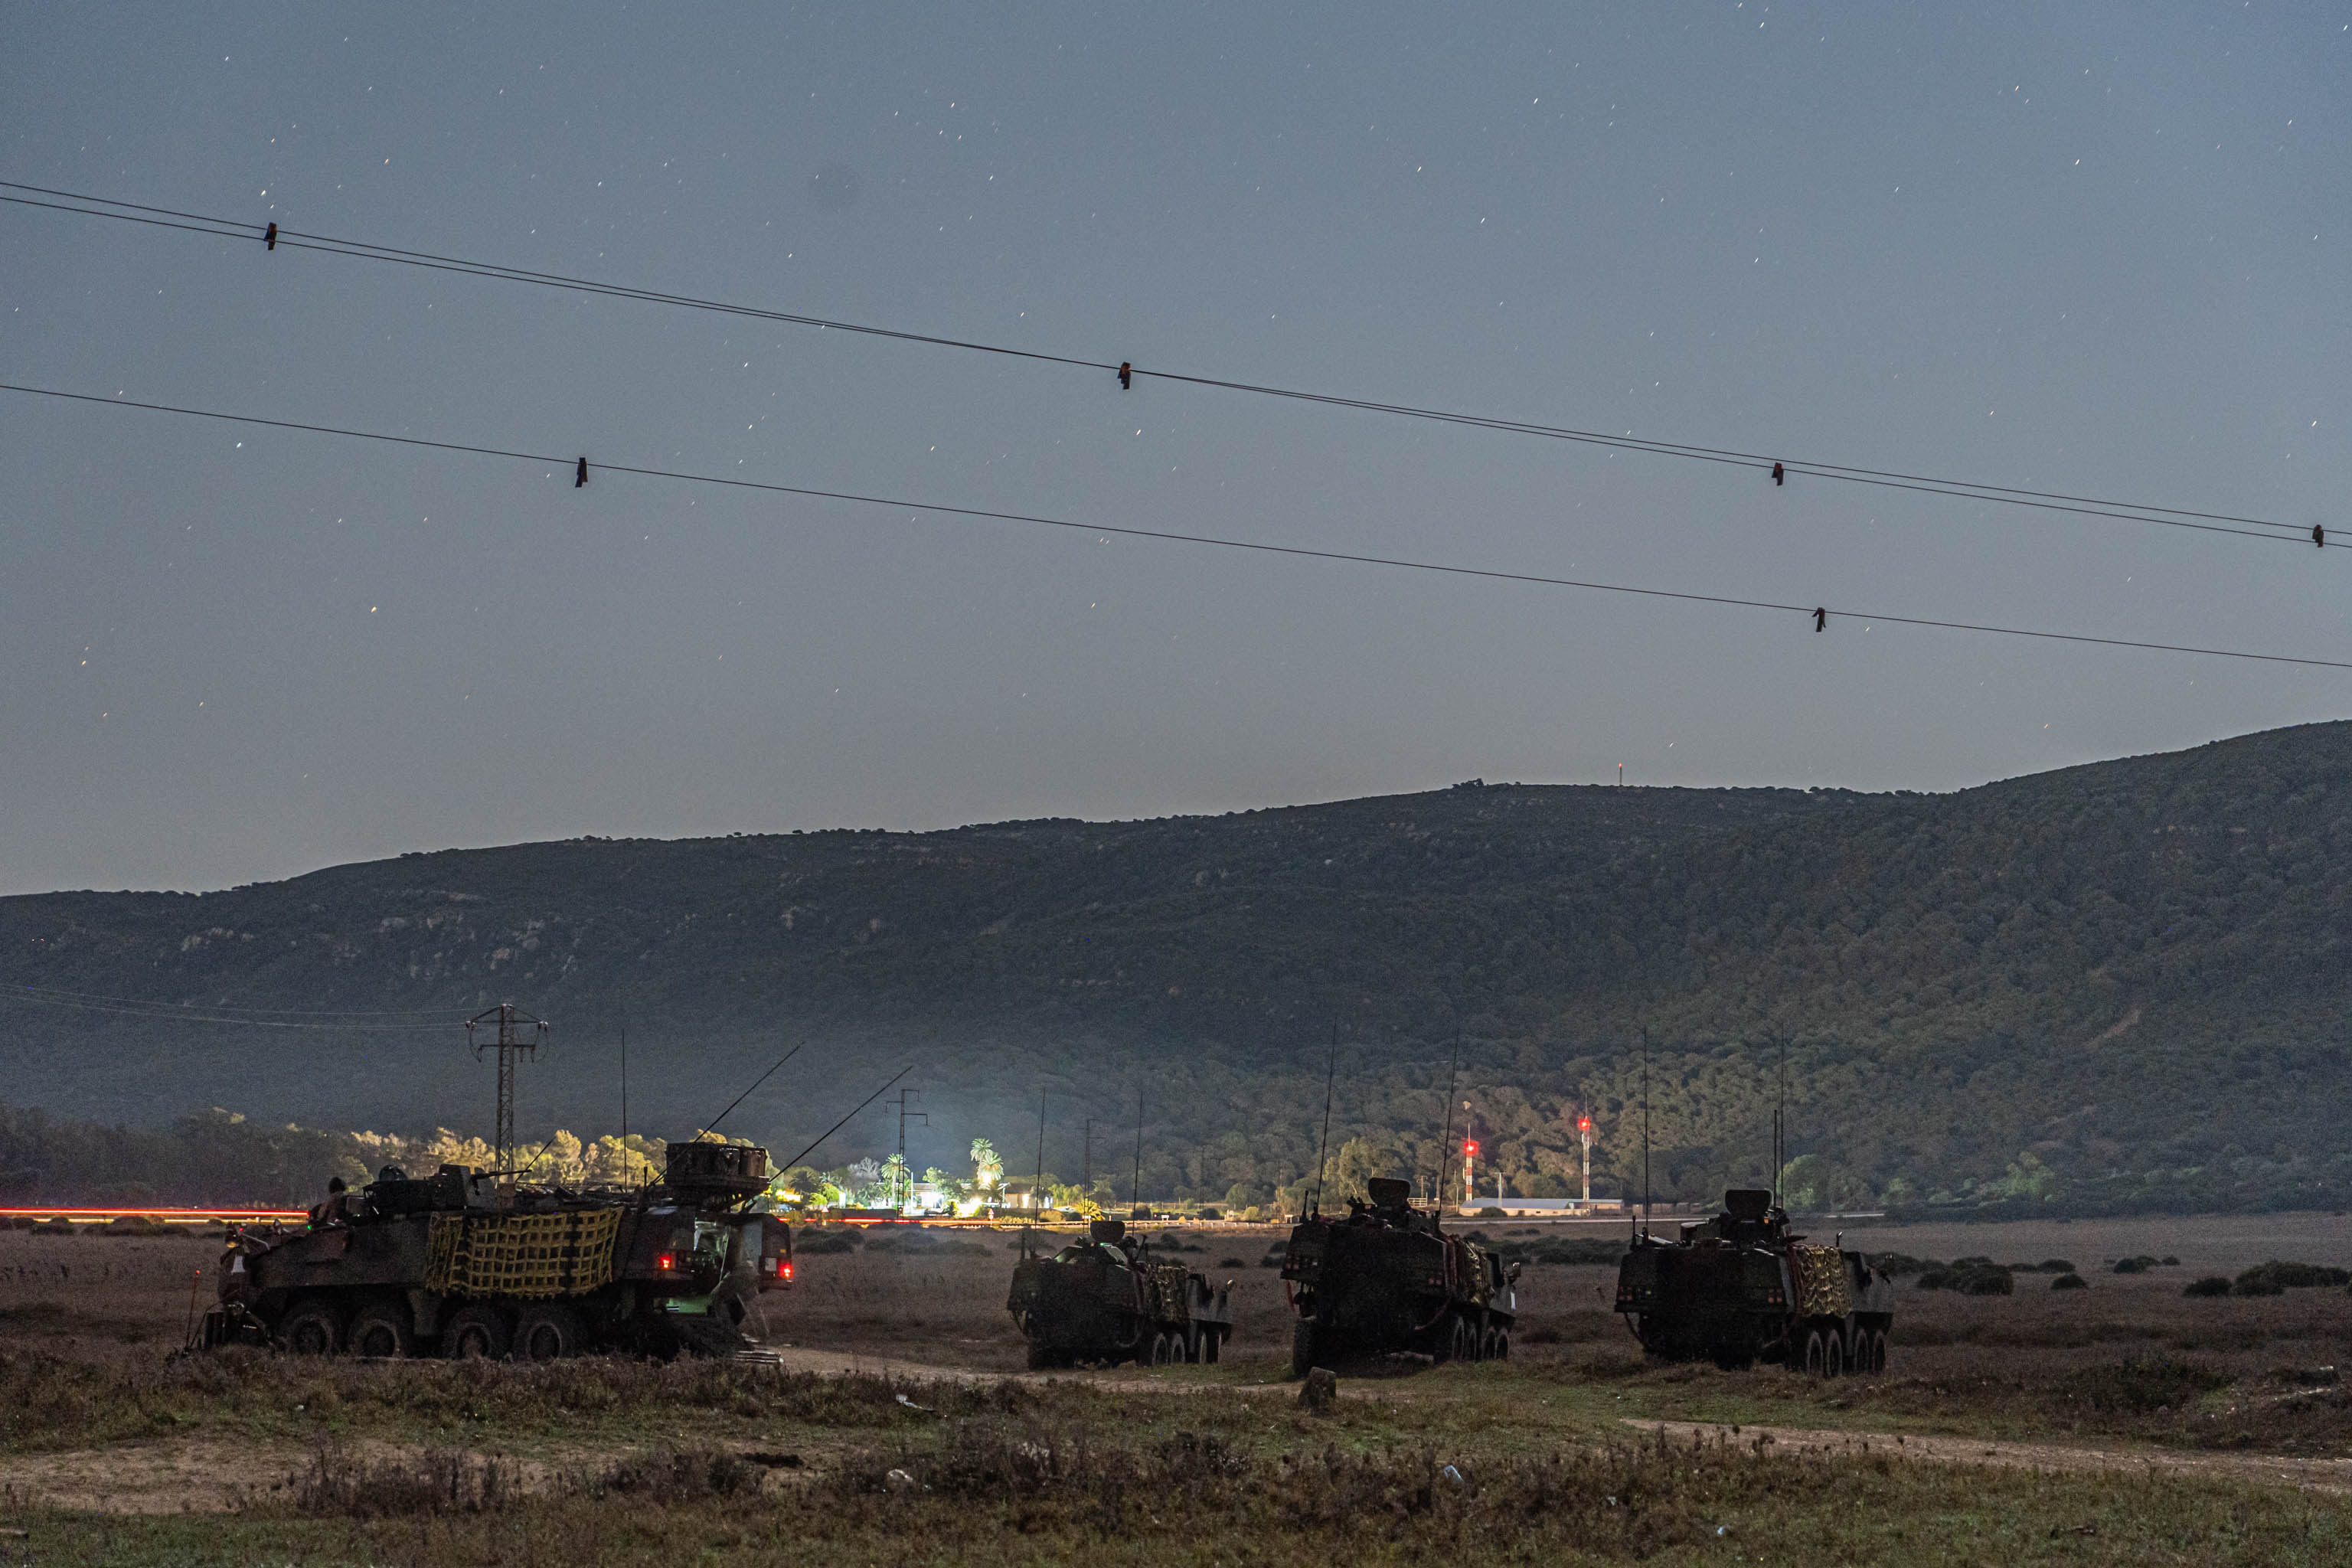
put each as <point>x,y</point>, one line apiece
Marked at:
<point>1824,1290</point>
<point>528,1255</point>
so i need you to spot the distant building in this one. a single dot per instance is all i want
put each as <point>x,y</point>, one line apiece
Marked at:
<point>1538,1208</point>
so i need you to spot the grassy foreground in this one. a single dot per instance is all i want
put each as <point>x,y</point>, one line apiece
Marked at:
<point>616,1462</point>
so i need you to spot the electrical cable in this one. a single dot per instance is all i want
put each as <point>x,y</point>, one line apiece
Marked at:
<point>60,992</point>
<point>180,1016</point>
<point>1818,613</point>
<point>1967,490</point>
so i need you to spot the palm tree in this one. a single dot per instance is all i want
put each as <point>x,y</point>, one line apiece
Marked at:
<point>988,1170</point>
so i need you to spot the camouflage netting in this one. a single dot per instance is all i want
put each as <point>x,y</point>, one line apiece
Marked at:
<point>1824,1290</point>
<point>537,1255</point>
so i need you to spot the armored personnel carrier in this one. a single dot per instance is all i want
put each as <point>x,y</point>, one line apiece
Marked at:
<point>1387,1279</point>
<point>1740,1287</point>
<point>1103,1300</point>
<point>464,1262</point>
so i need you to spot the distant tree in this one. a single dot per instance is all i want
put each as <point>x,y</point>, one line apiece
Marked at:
<point>987,1169</point>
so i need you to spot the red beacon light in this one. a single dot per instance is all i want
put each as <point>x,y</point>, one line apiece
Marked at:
<point>666,1263</point>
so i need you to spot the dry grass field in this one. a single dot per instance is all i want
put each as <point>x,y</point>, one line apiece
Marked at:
<point>2121,1422</point>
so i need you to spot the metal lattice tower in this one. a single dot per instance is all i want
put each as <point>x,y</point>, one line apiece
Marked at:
<point>905,1116</point>
<point>508,1016</point>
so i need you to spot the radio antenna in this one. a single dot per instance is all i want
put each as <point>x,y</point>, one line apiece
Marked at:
<point>756,1082</point>
<point>1645,1130</point>
<point>1446,1143</point>
<point>1323,1150</point>
<point>1135,1188</point>
<point>844,1120</point>
<point>1780,1124</point>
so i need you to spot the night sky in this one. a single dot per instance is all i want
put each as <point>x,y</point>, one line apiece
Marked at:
<point>2095,248</point>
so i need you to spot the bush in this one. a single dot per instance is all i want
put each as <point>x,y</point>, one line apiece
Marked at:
<point>1993,1282</point>
<point>2157,1383</point>
<point>2260,1279</point>
<point>2211,1285</point>
<point>1490,1211</point>
<point>2139,1265</point>
<point>2070,1281</point>
<point>1232,1263</point>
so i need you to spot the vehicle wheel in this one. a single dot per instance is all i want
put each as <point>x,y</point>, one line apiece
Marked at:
<point>1834,1354</point>
<point>1878,1350</point>
<point>1816,1352</point>
<point>1502,1350</point>
<point>1302,1349</point>
<point>1158,1354</point>
<point>1041,1355</point>
<point>312,1327</point>
<point>477,1332</point>
<point>1211,1341</point>
<point>382,1331</point>
<point>549,1333</point>
<point>1466,1340</point>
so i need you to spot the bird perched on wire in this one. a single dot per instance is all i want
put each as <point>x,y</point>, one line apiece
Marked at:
<point>1126,376</point>
<point>1780,475</point>
<point>269,237</point>
<point>1820,618</point>
<point>2319,534</point>
<point>581,476</point>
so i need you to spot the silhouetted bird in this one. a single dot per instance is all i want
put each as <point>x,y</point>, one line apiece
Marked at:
<point>1780,475</point>
<point>580,477</point>
<point>1820,618</point>
<point>1126,376</point>
<point>2319,534</point>
<point>269,240</point>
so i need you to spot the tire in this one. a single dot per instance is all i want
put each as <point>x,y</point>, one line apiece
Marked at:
<point>1816,1352</point>
<point>1211,1342</point>
<point>312,1327</point>
<point>1490,1343</point>
<point>1502,1350</point>
<point>1878,1350</point>
<point>1156,1354</point>
<point>382,1331</point>
<point>1834,1354</point>
<point>1303,1349</point>
<point>1041,1355</point>
<point>1466,1340</point>
<point>549,1333</point>
<point>476,1333</point>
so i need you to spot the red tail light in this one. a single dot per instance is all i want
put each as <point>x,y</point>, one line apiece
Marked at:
<point>787,1269</point>
<point>666,1263</point>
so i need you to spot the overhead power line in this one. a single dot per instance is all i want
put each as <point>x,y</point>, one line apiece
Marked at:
<point>442,1013</point>
<point>181,1014</point>
<point>1818,614</point>
<point>277,238</point>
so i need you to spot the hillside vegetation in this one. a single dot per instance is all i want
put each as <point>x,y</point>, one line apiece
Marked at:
<point>2111,986</point>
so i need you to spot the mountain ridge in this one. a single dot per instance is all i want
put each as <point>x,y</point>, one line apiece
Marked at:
<point>2034,990</point>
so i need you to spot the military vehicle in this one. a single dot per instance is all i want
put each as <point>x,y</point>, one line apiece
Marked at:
<point>468,1263</point>
<point>1103,1300</point>
<point>1386,1278</point>
<point>1740,1287</point>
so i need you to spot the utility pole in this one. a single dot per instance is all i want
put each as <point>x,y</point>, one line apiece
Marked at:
<point>1037,1191</point>
<point>1087,1161</point>
<point>507,1045</point>
<point>905,1116</point>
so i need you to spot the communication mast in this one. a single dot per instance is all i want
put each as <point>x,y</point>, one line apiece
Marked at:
<point>1584,1130</point>
<point>509,1016</point>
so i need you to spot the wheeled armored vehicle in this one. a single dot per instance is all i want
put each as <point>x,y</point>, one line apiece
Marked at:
<point>1740,1287</point>
<point>1105,1300</point>
<point>1386,1278</point>
<point>468,1263</point>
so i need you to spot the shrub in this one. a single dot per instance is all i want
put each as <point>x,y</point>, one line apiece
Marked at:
<point>2211,1285</point>
<point>2155,1383</point>
<point>1991,1281</point>
<point>2070,1281</point>
<point>1900,1265</point>
<point>2259,1280</point>
<point>2139,1265</point>
<point>1232,1263</point>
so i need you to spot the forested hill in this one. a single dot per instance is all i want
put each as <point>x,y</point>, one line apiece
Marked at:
<point>2118,984</point>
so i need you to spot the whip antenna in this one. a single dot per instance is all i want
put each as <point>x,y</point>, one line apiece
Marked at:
<point>1323,1150</point>
<point>756,1082</point>
<point>1445,1141</point>
<point>844,1120</point>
